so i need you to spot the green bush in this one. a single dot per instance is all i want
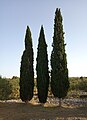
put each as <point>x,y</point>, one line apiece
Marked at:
<point>15,88</point>
<point>74,83</point>
<point>83,85</point>
<point>5,89</point>
<point>77,86</point>
<point>9,88</point>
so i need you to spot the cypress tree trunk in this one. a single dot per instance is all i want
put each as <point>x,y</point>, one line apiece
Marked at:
<point>26,69</point>
<point>59,71</point>
<point>60,102</point>
<point>42,68</point>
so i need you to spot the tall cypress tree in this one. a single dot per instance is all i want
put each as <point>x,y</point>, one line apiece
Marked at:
<point>59,72</point>
<point>26,69</point>
<point>42,68</point>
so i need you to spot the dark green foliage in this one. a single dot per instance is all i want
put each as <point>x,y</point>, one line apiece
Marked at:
<point>15,87</point>
<point>78,83</point>
<point>26,69</point>
<point>59,72</point>
<point>82,85</point>
<point>5,89</point>
<point>42,68</point>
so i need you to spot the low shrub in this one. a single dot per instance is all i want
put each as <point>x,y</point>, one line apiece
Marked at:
<point>5,89</point>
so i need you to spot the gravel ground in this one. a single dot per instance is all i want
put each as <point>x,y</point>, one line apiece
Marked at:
<point>72,109</point>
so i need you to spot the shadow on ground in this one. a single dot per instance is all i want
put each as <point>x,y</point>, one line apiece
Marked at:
<point>32,111</point>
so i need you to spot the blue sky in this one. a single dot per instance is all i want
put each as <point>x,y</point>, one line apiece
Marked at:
<point>15,15</point>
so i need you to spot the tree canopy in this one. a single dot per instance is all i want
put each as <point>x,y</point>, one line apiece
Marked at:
<point>42,68</point>
<point>59,70</point>
<point>26,69</point>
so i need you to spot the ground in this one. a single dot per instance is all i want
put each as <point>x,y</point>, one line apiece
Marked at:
<point>13,110</point>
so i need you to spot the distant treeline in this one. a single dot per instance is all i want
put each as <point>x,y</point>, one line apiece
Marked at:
<point>9,87</point>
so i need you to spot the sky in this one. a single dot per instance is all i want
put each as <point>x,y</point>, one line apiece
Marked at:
<point>15,15</point>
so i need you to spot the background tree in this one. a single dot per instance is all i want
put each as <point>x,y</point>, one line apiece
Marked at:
<point>5,89</point>
<point>42,68</point>
<point>26,69</point>
<point>59,72</point>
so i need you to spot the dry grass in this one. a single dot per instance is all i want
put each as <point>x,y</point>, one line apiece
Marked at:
<point>35,111</point>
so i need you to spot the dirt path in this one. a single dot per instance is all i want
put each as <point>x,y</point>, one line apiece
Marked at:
<point>22,111</point>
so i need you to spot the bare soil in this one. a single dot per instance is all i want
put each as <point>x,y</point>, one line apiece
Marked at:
<point>35,111</point>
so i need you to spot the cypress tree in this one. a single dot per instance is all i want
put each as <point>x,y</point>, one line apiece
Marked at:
<point>59,71</point>
<point>42,68</point>
<point>26,69</point>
